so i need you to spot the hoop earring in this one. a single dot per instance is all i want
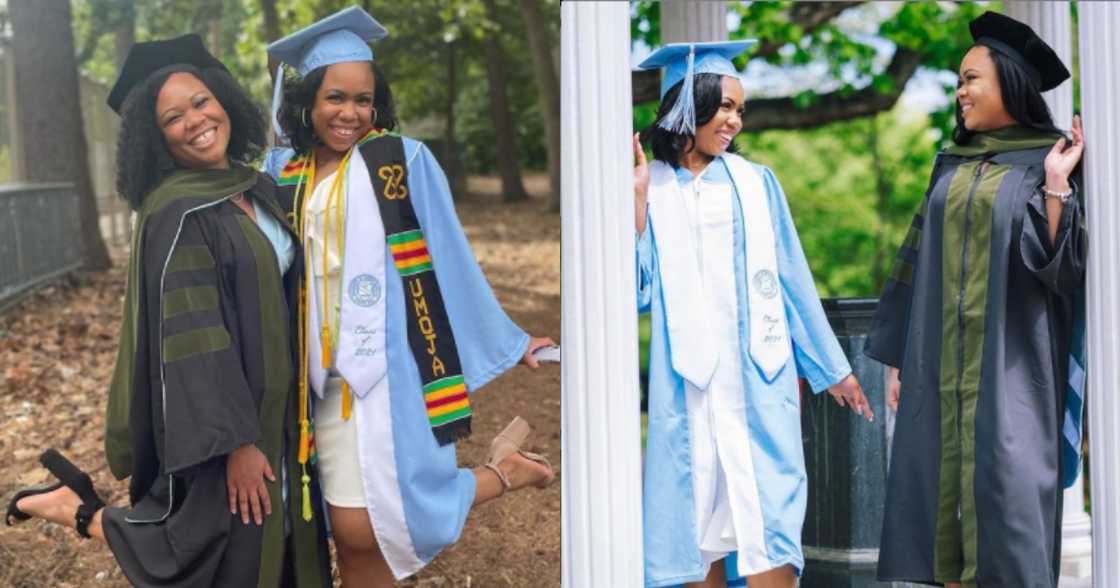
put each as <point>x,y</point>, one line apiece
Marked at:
<point>373,121</point>
<point>303,117</point>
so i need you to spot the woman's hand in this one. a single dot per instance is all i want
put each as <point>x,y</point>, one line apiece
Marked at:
<point>1060,161</point>
<point>535,343</point>
<point>641,185</point>
<point>246,470</point>
<point>893,388</point>
<point>849,393</point>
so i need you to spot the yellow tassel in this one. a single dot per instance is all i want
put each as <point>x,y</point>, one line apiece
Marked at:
<point>304,441</point>
<point>306,479</point>
<point>347,400</point>
<point>325,340</point>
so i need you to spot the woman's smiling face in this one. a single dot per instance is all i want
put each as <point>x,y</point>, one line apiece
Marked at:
<point>979,94</point>
<point>195,127</point>
<point>343,109</point>
<point>716,135</point>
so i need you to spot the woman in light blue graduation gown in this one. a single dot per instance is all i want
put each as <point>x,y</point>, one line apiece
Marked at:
<point>389,368</point>
<point>736,320</point>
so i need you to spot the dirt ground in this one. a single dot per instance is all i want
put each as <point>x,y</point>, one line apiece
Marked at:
<point>58,348</point>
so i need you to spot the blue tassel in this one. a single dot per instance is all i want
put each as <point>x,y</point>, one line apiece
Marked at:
<point>277,94</point>
<point>682,118</point>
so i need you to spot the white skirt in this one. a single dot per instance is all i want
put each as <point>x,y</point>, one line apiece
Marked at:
<point>336,440</point>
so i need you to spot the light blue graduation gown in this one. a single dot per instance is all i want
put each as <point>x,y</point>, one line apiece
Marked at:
<point>435,493</point>
<point>672,553</point>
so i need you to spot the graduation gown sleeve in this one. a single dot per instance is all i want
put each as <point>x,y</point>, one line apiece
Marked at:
<point>886,340</point>
<point>489,342</point>
<point>644,257</point>
<point>816,352</point>
<point>207,406</point>
<point>1059,265</point>
<point>275,160</point>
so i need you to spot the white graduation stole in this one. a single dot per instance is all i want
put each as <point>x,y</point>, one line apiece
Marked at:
<point>769,346</point>
<point>360,355</point>
<point>692,351</point>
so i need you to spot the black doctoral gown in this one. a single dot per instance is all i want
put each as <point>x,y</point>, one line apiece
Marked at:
<point>205,366</point>
<point>979,316</point>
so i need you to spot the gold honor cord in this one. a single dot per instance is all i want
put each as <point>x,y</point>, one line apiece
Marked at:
<point>338,193</point>
<point>308,173</point>
<point>302,202</point>
<point>334,195</point>
<point>336,201</point>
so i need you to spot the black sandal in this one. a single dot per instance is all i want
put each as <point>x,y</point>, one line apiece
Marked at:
<point>14,513</point>
<point>72,477</point>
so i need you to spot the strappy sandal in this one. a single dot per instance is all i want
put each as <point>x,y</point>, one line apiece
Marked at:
<point>14,514</point>
<point>72,477</point>
<point>509,442</point>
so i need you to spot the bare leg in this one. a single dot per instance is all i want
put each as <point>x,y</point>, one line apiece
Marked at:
<point>518,469</point>
<point>952,586</point>
<point>360,562</point>
<point>782,577</point>
<point>59,507</point>
<point>717,577</point>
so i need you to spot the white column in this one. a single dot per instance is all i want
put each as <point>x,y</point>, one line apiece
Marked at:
<point>601,503</point>
<point>1052,21</point>
<point>683,20</point>
<point>1100,93</point>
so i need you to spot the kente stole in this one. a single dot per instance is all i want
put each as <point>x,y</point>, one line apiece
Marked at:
<point>430,337</point>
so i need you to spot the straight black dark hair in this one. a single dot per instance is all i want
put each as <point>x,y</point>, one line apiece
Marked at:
<point>1021,98</point>
<point>707,95</point>
<point>299,95</point>
<point>142,156</point>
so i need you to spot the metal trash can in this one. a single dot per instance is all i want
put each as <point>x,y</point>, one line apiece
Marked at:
<point>846,459</point>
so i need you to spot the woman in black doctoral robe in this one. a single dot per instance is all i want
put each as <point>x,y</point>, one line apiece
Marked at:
<point>982,320</point>
<point>201,409</point>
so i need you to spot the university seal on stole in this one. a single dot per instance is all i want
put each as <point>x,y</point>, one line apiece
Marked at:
<point>364,290</point>
<point>766,283</point>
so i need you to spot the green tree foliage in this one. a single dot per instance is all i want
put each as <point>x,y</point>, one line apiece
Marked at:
<point>414,56</point>
<point>830,177</point>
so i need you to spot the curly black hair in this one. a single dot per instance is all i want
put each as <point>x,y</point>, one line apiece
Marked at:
<point>707,95</point>
<point>142,156</point>
<point>299,95</point>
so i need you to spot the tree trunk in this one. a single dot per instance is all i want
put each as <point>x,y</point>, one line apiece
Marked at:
<point>505,140</point>
<point>271,29</point>
<point>453,165</point>
<point>124,34</point>
<point>271,20</point>
<point>548,87</point>
<point>215,36</point>
<point>53,137</point>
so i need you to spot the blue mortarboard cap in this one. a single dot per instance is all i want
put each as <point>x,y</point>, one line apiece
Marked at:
<point>341,37</point>
<point>683,61</point>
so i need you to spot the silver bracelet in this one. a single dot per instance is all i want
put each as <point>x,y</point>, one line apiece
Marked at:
<point>1063,196</point>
